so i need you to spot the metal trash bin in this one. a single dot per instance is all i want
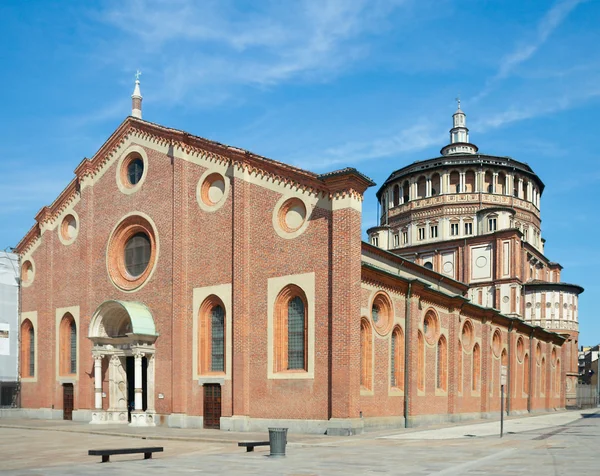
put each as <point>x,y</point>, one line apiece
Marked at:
<point>277,441</point>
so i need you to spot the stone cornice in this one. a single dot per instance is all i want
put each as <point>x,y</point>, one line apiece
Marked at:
<point>346,182</point>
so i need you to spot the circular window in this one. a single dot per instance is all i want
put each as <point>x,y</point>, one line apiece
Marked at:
<point>382,313</point>
<point>132,252</point>
<point>135,170</point>
<point>132,170</point>
<point>27,272</point>
<point>520,349</point>
<point>430,327</point>
<point>528,305</point>
<point>548,304</point>
<point>212,189</point>
<point>496,343</point>
<point>68,229</point>
<point>137,254</point>
<point>292,215</point>
<point>467,335</point>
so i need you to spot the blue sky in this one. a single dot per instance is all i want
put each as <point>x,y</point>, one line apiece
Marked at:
<point>320,84</point>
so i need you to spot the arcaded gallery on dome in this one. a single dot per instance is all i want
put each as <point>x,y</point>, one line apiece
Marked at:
<point>182,282</point>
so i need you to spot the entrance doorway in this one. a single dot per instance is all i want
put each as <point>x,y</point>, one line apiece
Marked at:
<point>67,401</point>
<point>130,370</point>
<point>212,406</point>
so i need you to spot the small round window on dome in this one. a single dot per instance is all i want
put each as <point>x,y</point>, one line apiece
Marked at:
<point>428,265</point>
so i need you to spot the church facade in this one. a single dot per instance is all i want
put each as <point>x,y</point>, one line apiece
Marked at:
<point>178,281</point>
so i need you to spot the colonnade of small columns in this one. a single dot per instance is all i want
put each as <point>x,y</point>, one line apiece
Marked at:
<point>483,181</point>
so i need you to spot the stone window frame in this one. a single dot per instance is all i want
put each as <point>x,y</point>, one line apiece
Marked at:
<point>476,369</point>
<point>29,320</point>
<point>281,331</point>
<point>205,336</point>
<point>222,293</point>
<point>385,307</point>
<point>127,227</point>
<point>397,364</point>
<point>128,155</point>
<point>306,284</point>
<point>203,183</point>
<point>64,239</point>
<point>441,365</point>
<point>366,357</point>
<point>27,282</point>
<point>285,202</point>
<point>60,339</point>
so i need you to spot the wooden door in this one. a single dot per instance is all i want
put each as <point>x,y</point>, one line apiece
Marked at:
<point>68,401</point>
<point>212,405</point>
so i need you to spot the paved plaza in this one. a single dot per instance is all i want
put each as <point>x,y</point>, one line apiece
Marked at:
<point>554,444</point>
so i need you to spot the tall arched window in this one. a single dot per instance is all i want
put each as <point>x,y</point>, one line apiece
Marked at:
<point>291,330</point>
<point>476,367</point>
<point>406,191</point>
<point>68,345</point>
<point>454,182</point>
<point>442,364</point>
<point>459,367</point>
<point>435,185</point>
<point>526,374</point>
<point>27,349</point>
<point>397,359</point>
<point>420,361</point>
<point>421,187</point>
<point>543,376</point>
<point>396,196</point>
<point>212,336</point>
<point>501,183</point>
<point>557,379</point>
<point>469,181</point>
<point>487,182</point>
<point>366,355</point>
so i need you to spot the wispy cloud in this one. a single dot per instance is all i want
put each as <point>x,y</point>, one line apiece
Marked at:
<point>526,49</point>
<point>409,139</point>
<point>194,44</point>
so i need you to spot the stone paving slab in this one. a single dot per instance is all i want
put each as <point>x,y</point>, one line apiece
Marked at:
<point>564,449</point>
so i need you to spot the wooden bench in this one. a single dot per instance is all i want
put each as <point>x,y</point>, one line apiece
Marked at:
<point>249,445</point>
<point>125,451</point>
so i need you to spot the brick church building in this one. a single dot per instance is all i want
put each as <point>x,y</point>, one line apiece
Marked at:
<point>179,281</point>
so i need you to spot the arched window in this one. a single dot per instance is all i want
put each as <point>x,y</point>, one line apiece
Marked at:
<point>557,379</point>
<point>459,367</point>
<point>476,367</point>
<point>68,345</point>
<point>454,182</point>
<point>470,181</point>
<point>501,183</point>
<point>421,187</point>
<point>543,376</point>
<point>212,336</point>
<point>420,361</point>
<point>442,364</point>
<point>406,191</point>
<point>397,359</point>
<point>291,330</point>
<point>366,358</point>
<point>396,196</point>
<point>526,374</point>
<point>27,349</point>
<point>487,182</point>
<point>435,185</point>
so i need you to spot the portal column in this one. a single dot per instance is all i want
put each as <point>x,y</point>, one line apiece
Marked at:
<point>138,381</point>
<point>150,377</point>
<point>98,382</point>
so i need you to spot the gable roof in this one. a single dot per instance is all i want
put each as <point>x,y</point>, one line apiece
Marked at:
<point>342,182</point>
